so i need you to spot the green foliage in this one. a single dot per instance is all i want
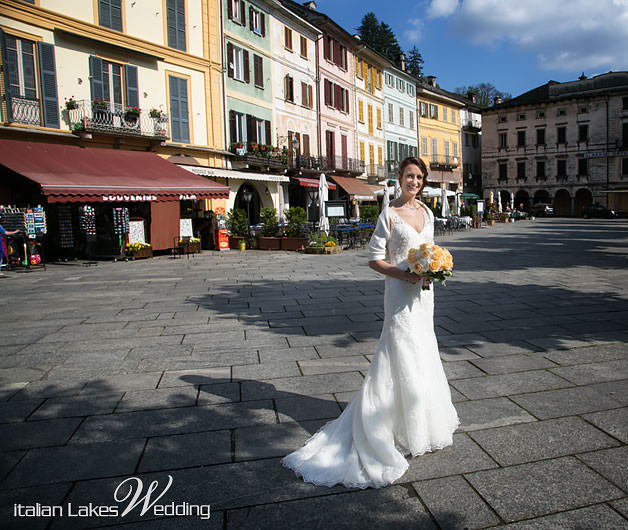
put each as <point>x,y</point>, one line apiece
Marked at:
<point>485,93</point>
<point>238,222</point>
<point>271,224</point>
<point>414,62</point>
<point>296,218</point>
<point>380,37</point>
<point>320,240</point>
<point>369,213</point>
<point>470,211</point>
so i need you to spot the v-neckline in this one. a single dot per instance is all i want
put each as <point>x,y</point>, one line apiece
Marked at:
<point>412,227</point>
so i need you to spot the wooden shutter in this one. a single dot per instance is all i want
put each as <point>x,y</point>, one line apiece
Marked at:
<point>290,140</point>
<point>336,53</point>
<point>95,77</point>
<point>303,46</point>
<point>337,96</point>
<point>251,18</point>
<point>104,13</point>
<point>232,126</point>
<point>298,137</point>
<point>251,130</point>
<point>370,119</point>
<point>180,18</point>
<point>379,118</point>
<point>247,77</point>
<point>171,23</point>
<point>179,109</point>
<point>48,78</point>
<point>344,57</point>
<point>229,9</point>
<point>269,140</point>
<point>327,92</point>
<point>357,66</point>
<point>380,155</point>
<point>343,145</point>
<point>346,109</point>
<point>304,94</point>
<point>326,47</point>
<point>230,60</point>
<point>306,145</point>
<point>262,17</point>
<point>7,68</point>
<point>360,110</point>
<point>116,14</point>
<point>379,79</point>
<point>132,90</point>
<point>242,13</point>
<point>258,68</point>
<point>310,96</point>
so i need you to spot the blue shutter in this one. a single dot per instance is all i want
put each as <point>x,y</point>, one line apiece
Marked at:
<point>7,68</point>
<point>181,25</point>
<point>95,77</point>
<point>48,77</point>
<point>132,97</point>
<point>179,109</point>
<point>104,13</point>
<point>175,22</point>
<point>110,14</point>
<point>116,14</point>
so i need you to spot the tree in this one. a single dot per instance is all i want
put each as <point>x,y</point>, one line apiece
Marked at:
<point>380,37</point>
<point>414,62</point>
<point>485,93</point>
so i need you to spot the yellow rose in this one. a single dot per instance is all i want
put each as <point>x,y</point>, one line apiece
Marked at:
<point>434,265</point>
<point>416,268</point>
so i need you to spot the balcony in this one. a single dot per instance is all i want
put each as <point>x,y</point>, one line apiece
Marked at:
<point>374,170</point>
<point>25,111</point>
<point>392,166</point>
<point>444,162</point>
<point>113,119</point>
<point>304,163</point>
<point>342,164</point>
<point>472,125</point>
<point>260,157</point>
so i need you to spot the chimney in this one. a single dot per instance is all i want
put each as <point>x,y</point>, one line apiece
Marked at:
<point>471,95</point>
<point>582,77</point>
<point>310,5</point>
<point>402,60</point>
<point>357,37</point>
<point>497,101</point>
<point>431,80</point>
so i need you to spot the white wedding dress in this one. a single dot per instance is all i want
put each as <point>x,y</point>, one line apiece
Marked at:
<point>404,406</point>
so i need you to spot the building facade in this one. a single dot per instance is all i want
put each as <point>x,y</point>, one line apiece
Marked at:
<point>564,144</point>
<point>471,141</point>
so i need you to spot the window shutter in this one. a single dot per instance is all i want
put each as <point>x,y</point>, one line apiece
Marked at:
<point>263,21</point>
<point>251,131</point>
<point>326,47</point>
<point>306,145</point>
<point>171,23</point>
<point>104,13</point>
<point>242,13</point>
<point>310,98</point>
<point>8,66</point>
<point>337,97</point>
<point>48,78</point>
<point>179,109</point>
<point>116,14</point>
<point>95,77</point>
<point>180,21</point>
<point>298,137</point>
<point>336,58</point>
<point>251,18</point>
<point>232,126</point>
<point>344,57</point>
<point>290,140</point>
<point>304,94</point>
<point>286,37</point>
<point>269,140</point>
<point>327,92</point>
<point>346,109</point>
<point>230,9</point>
<point>132,91</point>
<point>247,76</point>
<point>230,59</point>
<point>175,112</point>
<point>258,67</point>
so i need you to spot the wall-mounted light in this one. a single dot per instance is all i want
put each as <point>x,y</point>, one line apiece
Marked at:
<point>145,94</point>
<point>80,81</point>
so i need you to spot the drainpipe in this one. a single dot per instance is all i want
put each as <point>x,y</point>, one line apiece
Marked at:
<point>607,158</point>
<point>224,85</point>
<point>317,77</point>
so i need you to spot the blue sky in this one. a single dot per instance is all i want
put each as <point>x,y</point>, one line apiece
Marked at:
<point>516,45</point>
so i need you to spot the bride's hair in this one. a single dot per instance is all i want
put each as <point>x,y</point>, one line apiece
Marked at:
<point>417,162</point>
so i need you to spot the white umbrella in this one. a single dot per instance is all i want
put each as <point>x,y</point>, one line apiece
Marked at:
<point>445,212</point>
<point>430,193</point>
<point>456,204</point>
<point>499,202</point>
<point>397,189</point>
<point>323,197</point>
<point>512,201</point>
<point>490,198</point>
<point>386,199</point>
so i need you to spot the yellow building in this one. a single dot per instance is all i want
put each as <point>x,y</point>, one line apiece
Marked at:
<point>439,135</point>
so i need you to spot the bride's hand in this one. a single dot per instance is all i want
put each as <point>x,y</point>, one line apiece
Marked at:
<point>426,281</point>
<point>412,278</point>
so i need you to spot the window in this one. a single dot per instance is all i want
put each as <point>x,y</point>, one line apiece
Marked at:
<point>303,41</point>
<point>561,135</point>
<point>583,110</point>
<point>257,22</point>
<point>110,14</point>
<point>261,130</point>
<point>625,134</point>
<point>258,71</point>
<point>401,115</point>
<point>424,146</point>
<point>583,167</point>
<point>398,83</point>
<point>561,168</point>
<point>434,111</point>
<point>180,123</point>
<point>501,119</point>
<point>540,137</point>
<point>391,117</point>
<point>237,63</point>
<point>561,112</point>
<point>434,150</point>
<point>444,114</point>
<point>455,145</point>
<point>336,96</point>
<point>21,67</point>
<point>423,109</point>
<point>502,139</point>
<point>521,138</point>
<point>540,114</point>
<point>288,88</point>
<point>370,117</point>
<point>521,170</point>
<point>388,79</point>
<point>453,116</point>
<point>287,38</point>
<point>410,89</point>
<point>117,84</point>
<point>503,171</point>
<point>379,118</point>
<point>521,117</point>
<point>236,11</point>
<point>625,103</point>
<point>411,119</point>
<point>361,111</point>
<point>175,22</point>
<point>540,170</point>
<point>624,166</point>
<point>583,132</point>
<point>237,125</point>
<point>362,152</point>
<point>306,95</point>
<point>335,52</point>
<point>380,155</point>
<point>447,152</point>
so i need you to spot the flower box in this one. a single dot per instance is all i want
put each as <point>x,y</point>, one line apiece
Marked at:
<point>188,247</point>
<point>234,242</point>
<point>141,253</point>
<point>269,243</point>
<point>293,243</point>
<point>323,250</point>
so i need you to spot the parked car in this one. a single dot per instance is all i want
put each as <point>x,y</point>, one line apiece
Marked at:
<point>597,210</point>
<point>541,209</point>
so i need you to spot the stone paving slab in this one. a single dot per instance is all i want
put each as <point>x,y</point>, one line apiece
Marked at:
<point>489,413</point>
<point>611,464</point>
<point>599,516</point>
<point>613,422</point>
<point>594,372</point>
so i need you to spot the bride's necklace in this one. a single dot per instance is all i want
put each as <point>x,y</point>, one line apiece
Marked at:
<point>409,207</point>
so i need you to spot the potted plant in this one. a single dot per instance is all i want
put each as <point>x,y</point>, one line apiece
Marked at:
<point>323,244</point>
<point>294,239</point>
<point>155,113</point>
<point>71,104</point>
<point>369,213</point>
<point>269,240</point>
<point>239,227</point>
<point>100,104</point>
<point>238,148</point>
<point>138,250</point>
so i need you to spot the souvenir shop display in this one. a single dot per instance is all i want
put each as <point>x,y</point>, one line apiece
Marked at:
<point>87,222</point>
<point>64,225</point>
<point>23,248</point>
<point>121,221</point>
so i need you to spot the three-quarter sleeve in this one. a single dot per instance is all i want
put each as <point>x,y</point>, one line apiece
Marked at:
<point>379,239</point>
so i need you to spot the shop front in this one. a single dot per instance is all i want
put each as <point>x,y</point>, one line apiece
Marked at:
<point>303,192</point>
<point>101,202</point>
<point>355,193</point>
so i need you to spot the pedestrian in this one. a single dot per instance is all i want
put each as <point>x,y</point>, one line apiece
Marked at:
<point>404,407</point>
<point>3,245</point>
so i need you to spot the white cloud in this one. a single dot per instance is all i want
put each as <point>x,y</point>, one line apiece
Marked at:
<point>415,33</point>
<point>562,34</point>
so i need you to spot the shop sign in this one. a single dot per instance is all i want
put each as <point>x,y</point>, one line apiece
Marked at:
<point>125,198</point>
<point>183,197</point>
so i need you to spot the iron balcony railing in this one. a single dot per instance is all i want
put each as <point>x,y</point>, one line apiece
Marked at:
<point>392,166</point>
<point>445,162</point>
<point>341,163</point>
<point>472,124</point>
<point>113,118</point>
<point>25,111</point>
<point>375,170</point>
<point>304,162</point>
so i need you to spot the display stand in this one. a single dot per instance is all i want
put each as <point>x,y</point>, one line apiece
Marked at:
<point>25,249</point>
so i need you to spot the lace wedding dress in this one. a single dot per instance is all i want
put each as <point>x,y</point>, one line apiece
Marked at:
<point>404,406</point>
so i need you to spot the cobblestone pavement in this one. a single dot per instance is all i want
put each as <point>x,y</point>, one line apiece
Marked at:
<point>209,369</point>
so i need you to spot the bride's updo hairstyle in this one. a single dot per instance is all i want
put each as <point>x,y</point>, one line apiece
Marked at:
<point>417,162</point>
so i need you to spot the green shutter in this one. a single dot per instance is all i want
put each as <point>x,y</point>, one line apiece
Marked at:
<point>95,77</point>
<point>132,97</point>
<point>48,78</point>
<point>7,68</point>
<point>179,109</point>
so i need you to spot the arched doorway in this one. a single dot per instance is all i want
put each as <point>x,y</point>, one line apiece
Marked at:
<point>252,209</point>
<point>522,198</point>
<point>583,198</point>
<point>562,203</point>
<point>505,197</point>
<point>542,196</point>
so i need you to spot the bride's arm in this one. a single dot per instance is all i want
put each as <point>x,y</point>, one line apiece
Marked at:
<point>386,268</point>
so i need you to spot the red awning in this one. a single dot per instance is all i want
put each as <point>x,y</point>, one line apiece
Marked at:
<point>355,188</point>
<point>68,173</point>
<point>313,183</point>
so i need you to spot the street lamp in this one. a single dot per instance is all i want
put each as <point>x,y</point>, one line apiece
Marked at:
<point>313,195</point>
<point>248,197</point>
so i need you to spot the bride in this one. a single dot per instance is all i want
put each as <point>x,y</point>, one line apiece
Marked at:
<point>404,407</point>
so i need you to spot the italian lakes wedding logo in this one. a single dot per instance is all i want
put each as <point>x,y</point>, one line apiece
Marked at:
<point>129,495</point>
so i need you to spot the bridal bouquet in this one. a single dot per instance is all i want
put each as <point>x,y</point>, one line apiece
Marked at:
<point>431,261</point>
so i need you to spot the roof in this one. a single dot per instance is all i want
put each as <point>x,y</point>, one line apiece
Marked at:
<point>354,187</point>
<point>68,173</point>
<point>553,91</point>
